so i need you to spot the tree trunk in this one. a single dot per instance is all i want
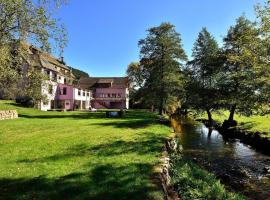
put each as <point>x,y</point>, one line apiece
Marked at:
<point>232,111</point>
<point>210,120</point>
<point>161,107</point>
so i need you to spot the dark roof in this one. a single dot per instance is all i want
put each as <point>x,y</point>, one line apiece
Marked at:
<point>90,82</point>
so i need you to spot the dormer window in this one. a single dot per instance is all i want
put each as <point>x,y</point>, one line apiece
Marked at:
<point>79,92</point>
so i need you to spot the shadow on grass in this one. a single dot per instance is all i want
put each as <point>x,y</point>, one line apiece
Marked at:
<point>149,144</point>
<point>103,182</point>
<point>134,123</point>
<point>51,115</point>
<point>130,115</point>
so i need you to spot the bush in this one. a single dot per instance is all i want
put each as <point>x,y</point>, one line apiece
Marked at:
<point>193,182</point>
<point>26,101</point>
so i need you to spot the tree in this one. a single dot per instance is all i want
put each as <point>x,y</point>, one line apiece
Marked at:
<point>263,52</point>
<point>242,67</point>
<point>135,78</point>
<point>78,74</point>
<point>28,21</point>
<point>202,89</point>
<point>162,55</point>
<point>135,75</point>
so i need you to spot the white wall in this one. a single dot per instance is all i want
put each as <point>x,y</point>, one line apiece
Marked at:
<point>127,98</point>
<point>81,98</point>
<point>45,91</point>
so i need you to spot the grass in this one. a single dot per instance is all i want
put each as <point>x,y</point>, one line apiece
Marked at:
<point>253,123</point>
<point>193,182</point>
<point>79,155</point>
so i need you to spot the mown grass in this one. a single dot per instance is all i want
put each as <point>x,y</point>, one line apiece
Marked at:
<point>193,182</point>
<point>254,123</point>
<point>79,155</point>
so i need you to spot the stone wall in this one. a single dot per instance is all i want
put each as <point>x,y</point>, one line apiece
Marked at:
<point>8,114</point>
<point>165,178</point>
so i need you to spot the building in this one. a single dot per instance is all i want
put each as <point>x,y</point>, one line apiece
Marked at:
<point>107,92</point>
<point>58,88</point>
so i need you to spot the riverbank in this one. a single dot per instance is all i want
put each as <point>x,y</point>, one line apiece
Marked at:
<point>193,182</point>
<point>254,130</point>
<point>238,166</point>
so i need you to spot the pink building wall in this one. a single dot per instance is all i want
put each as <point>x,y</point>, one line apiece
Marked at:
<point>121,91</point>
<point>68,97</point>
<point>103,102</point>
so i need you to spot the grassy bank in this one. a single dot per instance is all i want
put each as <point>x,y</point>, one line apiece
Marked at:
<point>193,182</point>
<point>253,123</point>
<point>79,155</point>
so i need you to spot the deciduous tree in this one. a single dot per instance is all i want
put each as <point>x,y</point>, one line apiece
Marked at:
<point>162,57</point>
<point>29,21</point>
<point>202,91</point>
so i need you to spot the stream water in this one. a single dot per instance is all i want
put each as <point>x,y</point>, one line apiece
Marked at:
<point>239,166</point>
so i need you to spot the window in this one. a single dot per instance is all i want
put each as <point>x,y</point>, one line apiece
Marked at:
<point>48,73</point>
<point>114,95</point>
<point>64,91</point>
<point>109,95</point>
<point>54,77</point>
<point>119,95</point>
<point>65,80</point>
<point>84,93</point>
<point>88,94</point>
<point>79,92</point>
<point>50,89</point>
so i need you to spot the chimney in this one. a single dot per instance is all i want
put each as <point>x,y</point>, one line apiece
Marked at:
<point>62,60</point>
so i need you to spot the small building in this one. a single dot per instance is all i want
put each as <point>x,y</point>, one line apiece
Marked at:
<point>107,92</point>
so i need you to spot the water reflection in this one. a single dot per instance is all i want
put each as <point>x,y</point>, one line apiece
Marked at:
<point>242,164</point>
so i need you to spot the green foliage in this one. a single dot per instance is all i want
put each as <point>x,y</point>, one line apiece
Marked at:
<point>135,75</point>
<point>161,60</point>
<point>203,73</point>
<point>136,79</point>
<point>79,73</point>
<point>79,155</point>
<point>25,21</point>
<point>193,182</point>
<point>243,69</point>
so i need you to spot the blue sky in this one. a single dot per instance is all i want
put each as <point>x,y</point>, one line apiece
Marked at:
<point>103,34</point>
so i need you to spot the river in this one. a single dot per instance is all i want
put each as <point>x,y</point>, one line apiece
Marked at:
<point>240,167</point>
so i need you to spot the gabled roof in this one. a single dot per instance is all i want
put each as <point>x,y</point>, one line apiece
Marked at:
<point>91,82</point>
<point>37,57</point>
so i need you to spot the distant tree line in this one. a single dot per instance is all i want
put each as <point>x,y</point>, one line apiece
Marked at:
<point>235,76</point>
<point>78,74</point>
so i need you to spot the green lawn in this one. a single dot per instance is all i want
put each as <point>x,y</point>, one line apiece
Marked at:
<point>79,155</point>
<point>253,123</point>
